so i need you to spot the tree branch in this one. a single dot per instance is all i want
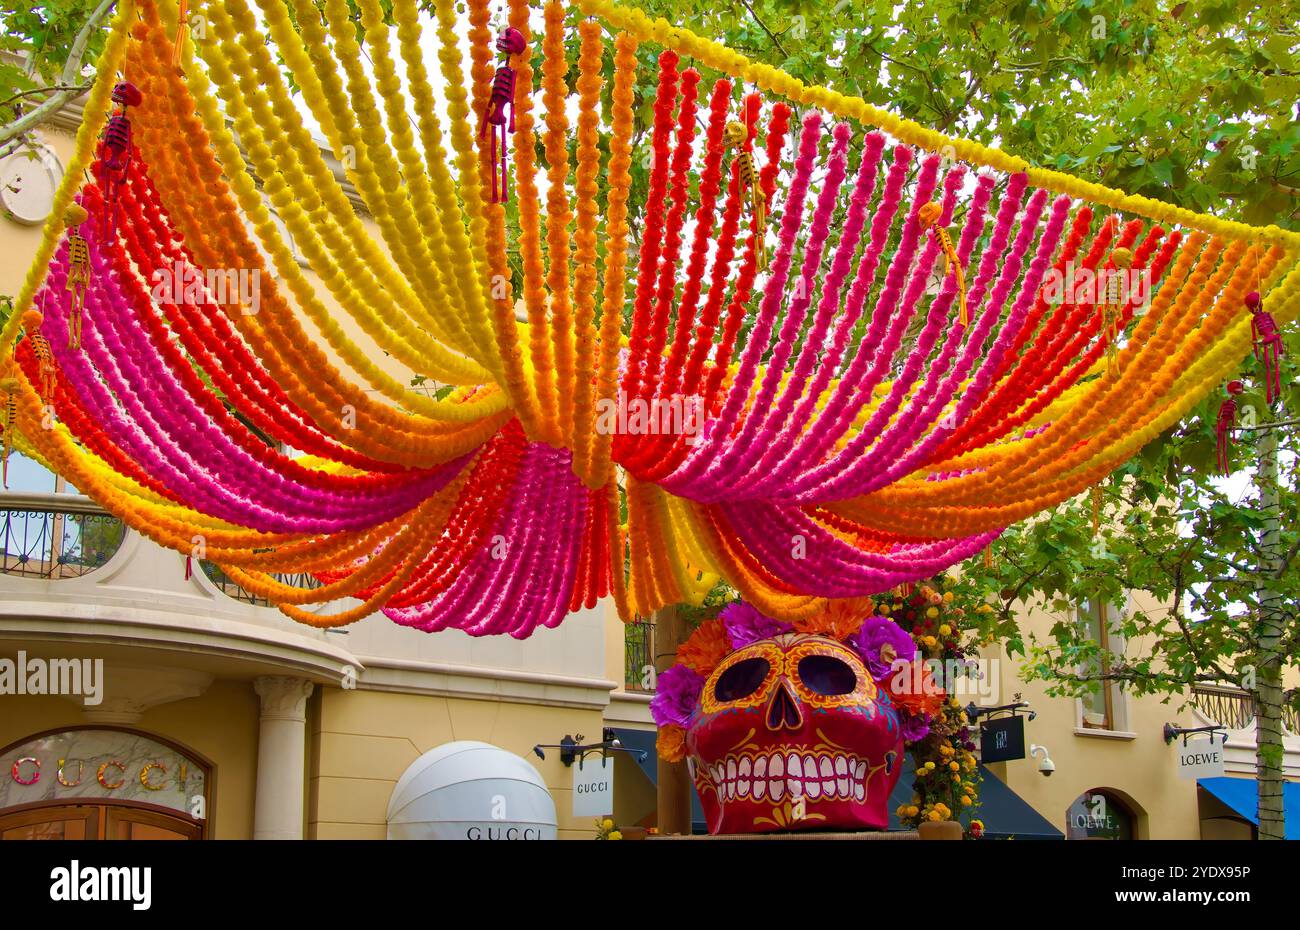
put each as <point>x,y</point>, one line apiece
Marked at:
<point>71,71</point>
<point>762,25</point>
<point>9,101</point>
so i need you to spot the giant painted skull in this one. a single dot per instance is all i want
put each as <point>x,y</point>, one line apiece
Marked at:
<point>791,733</point>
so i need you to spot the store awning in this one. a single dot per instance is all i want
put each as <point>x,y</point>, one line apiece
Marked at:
<point>447,793</point>
<point>1005,814</point>
<point>644,741</point>
<point>1242,795</point>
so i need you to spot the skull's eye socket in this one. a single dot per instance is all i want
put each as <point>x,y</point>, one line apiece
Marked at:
<point>741,680</point>
<point>827,675</point>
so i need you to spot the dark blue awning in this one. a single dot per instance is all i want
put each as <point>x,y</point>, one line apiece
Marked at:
<point>1005,814</point>
<point>1242,795</point>
<point>644,741</point>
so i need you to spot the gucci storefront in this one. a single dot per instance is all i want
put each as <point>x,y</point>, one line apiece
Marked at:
<point>103,783</point>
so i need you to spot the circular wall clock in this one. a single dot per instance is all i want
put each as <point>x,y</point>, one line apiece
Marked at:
<point>28,179</point>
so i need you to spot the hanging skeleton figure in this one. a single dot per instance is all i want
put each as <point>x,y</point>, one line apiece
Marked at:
<point>1121,259</point>
<point>511,42</point>
<point>115,150</point>
<point>1268,345</point>
<point>78,272</point>
<point>929,218</point>
<point>32,321</point>
<point>737,137</point>
<point>1227,422</point>
<point>9,384</point>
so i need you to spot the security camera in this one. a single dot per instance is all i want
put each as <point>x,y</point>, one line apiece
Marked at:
<point>1045,766</point>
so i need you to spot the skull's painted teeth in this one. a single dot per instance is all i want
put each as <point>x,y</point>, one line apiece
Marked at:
<point>789,773</point>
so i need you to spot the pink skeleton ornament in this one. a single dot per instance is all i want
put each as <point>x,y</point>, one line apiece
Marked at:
<point>116,149</point>
<point>1227,422</point>
<point>1268,345</point>
<point>511,42</point>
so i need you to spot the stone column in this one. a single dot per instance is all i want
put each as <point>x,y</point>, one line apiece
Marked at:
<point>281,748</point>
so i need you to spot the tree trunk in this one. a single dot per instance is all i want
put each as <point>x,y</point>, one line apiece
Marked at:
<point>1268,671</point>
<point>674,792</point>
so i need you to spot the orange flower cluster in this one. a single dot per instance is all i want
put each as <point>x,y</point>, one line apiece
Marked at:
<point>705,648</point>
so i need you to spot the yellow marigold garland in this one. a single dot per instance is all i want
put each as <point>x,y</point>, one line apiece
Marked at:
<point>584,274</point>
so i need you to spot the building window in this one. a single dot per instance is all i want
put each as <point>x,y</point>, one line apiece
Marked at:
<point>1101,705</point>
<point>639,656</point>
<point>1099,815</point>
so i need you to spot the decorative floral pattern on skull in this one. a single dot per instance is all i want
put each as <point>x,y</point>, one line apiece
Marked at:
<point>792,733</point>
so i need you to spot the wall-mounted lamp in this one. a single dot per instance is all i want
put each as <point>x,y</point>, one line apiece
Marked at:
<point>572,748</point>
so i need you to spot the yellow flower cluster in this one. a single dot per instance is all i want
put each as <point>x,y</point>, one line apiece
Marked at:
<point>306,196</point>
<point>587,188</point>
<point>619,181</point>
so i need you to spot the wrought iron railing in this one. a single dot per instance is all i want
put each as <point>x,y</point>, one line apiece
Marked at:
<point>1234,708</point>
<point>639,656</point>
<point>233,590</point>
<point>55,535</point>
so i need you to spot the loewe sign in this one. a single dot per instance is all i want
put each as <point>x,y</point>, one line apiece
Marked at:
<point>1202,758</point>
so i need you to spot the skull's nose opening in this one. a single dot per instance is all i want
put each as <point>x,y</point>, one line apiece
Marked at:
<point>782,710</point>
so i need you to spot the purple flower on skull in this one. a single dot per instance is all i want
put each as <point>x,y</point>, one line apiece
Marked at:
<point>677,691</point>
<point>915,728</point>
<point>881,642</point>
<point>744,624</point>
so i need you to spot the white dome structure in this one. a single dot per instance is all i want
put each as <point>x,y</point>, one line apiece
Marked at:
<point>469,790</point>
